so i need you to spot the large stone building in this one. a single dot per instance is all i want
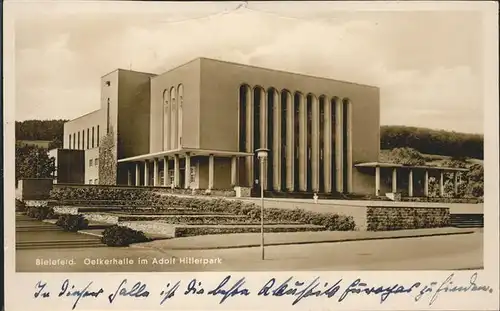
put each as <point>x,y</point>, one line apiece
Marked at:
<point>197,126</point>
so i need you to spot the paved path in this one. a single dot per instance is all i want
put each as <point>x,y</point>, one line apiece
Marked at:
<point>253,239</point>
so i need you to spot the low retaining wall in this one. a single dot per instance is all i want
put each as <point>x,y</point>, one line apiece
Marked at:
<point>34,189</point>
<point>383,218</point>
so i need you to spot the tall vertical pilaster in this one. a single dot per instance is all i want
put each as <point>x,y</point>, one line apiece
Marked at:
<point>302,144</point>
<point>290,142</point>
<point>276,148</point>
<point>315,145</point>
<point>349,147</point>
<point>249,161</point>
<point>339,143</point>
<point>263,132</point>
<point>327,145</point>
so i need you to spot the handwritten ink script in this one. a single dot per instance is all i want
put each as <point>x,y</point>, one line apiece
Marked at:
<point>293,288</point>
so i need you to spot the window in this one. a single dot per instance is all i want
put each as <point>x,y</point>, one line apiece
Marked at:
<point>78,139</point>
<point>96,161</point>
<point>83,139</point>
<point>171,176</point>
<point>69,145</point>
<point>93,137</point>
<point>193,174</point>
<point>96,181</point>
<point>90,181</point>
<point>74,141</point>
<point>98,136</point>
<point>90,162</point>
<point>88,138</point>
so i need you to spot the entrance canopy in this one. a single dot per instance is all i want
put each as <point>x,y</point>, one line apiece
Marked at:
<point>424,167</point>
<point>410,168</point>
<point>187,151</point>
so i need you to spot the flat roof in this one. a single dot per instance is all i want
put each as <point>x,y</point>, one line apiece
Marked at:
<point>395,165</point>
<point>183,151</point>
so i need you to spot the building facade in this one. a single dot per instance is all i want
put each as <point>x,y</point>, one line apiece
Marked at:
<point>197,127</point>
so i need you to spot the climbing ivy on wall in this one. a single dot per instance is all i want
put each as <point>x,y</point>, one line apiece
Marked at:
<point>107,159</point>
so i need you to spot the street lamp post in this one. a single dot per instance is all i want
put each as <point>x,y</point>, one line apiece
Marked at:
<point>262,155</point>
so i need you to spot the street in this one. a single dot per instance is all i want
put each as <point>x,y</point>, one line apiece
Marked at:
<point>464,251</point>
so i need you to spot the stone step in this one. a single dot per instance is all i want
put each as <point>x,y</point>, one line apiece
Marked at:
<point>60,242</point>
<point>58,246</point>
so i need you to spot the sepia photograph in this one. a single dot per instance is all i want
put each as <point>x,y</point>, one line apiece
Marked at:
<point>242,136</point>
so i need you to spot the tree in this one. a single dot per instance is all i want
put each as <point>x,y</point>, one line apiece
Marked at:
<point>406,156</point>
<point>33,162</point>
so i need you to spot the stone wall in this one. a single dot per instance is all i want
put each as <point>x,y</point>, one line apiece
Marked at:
<point>382,218</point>
<point>34,188</point>
<point>108,159</point>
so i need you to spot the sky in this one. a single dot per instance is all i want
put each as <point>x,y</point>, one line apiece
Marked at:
<point>427,64</point>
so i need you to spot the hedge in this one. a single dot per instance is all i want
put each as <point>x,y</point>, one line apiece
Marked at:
<point>332,222</point>
<point>41,212</point>
<point>122,236</point>
<point>72,223</point>
<point>99,193</point>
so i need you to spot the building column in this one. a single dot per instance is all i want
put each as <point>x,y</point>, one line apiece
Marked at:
<point>441,183</point>
<point>315,144</point>
<point>349,147</point>
<point>455,183</point>
<point>234,177</point>
<point>302,144</point>
<point>129,175</point>
<point>137,174</point>
<point>426,183</point>
<point>394,180</point>
<point>339,142</point>
<point>177,171</point>
<point>187,172</point>
<point>210,172</point>
<point>146,173</point>
<point>276,148</point>
<point>377,180</point>
<point>249,161</point>
<point>327,145</point>
<point>165,171</point>
<point>410,183</point>
<point>290,139</point>
<point>155,172</point>
<point>263,133</point>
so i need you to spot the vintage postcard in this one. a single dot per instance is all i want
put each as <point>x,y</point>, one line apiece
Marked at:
<point>251,155</point>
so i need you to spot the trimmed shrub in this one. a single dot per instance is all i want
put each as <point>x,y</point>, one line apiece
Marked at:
<point>72,223</point>
<point>20,206</point>
<point>41,212</point>
<point>100,193</point>
<point>122,236</point>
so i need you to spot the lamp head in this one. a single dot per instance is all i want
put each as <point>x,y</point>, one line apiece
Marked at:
<point>262,153</point>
